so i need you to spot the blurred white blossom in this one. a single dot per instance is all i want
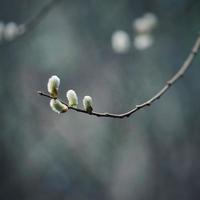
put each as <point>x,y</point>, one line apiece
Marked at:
<point>11,30</point>
<point>146,23</point>
<point>120,41</point>
<point>57,106</point>
<point>143,41</point>
<point>87,103</point>
<point>72,98</point>
<point>53,85</point>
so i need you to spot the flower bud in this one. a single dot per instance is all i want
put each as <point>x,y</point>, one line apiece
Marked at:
<point>57,106</point>
<point>11,31</point>
<point>72,98</point>
<point>143,41</point>
<point>120,41</point>
<point>146,23</point>
<point>53,85</point>
<point>87,103</point>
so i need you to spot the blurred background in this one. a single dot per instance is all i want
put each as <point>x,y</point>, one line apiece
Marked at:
<point>152,155</point>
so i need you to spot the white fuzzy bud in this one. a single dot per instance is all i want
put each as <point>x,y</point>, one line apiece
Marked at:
<point>146,23</point>
<point>53,85</point>
<point>11,31</point>
<point>143,41</point>
<point>87,103</point>
<point>120,41</point>
<point>72,98</point>
<point>57,106</point>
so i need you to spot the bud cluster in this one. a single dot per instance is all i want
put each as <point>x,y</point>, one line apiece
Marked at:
<point>59,107</point>
<point>142,28</point>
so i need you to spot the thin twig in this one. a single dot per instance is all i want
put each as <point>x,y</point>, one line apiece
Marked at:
<point>187,63</point>
<point>30,24</point>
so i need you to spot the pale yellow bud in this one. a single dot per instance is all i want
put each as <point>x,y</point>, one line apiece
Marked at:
<point>87,104</point>
<point>11,31</point>
<point>57,106</point>
<point>120,41</point>
<point>143,41</point>
<point>146,23</point>
<point>53,85</point>
<point>72,98</point>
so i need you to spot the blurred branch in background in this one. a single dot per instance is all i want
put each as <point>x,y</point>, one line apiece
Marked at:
<point>187,63</point>
<point>12,32</point>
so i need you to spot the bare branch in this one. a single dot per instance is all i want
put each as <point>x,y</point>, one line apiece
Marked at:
<point>34,21</point>
<point>183,68</point>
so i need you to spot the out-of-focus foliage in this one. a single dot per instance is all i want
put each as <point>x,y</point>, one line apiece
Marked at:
<point>152,155</point>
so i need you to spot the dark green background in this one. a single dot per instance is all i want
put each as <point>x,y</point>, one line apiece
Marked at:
<point>152,155</point>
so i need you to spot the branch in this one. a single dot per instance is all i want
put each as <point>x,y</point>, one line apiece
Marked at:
<point>187,63</point>
<point>34,21</point>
